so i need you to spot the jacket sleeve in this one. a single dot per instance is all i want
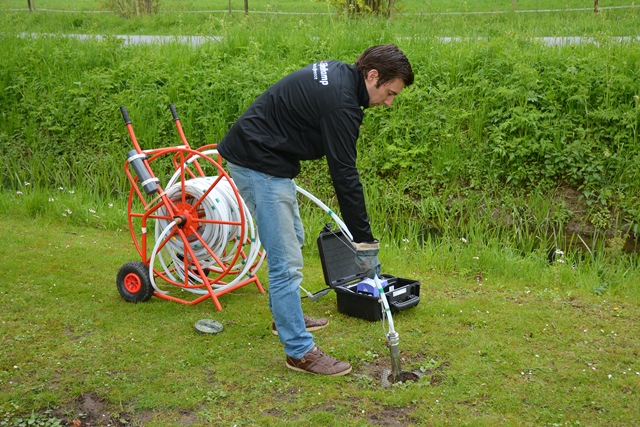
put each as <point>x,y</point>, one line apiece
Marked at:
<point>340,129</point>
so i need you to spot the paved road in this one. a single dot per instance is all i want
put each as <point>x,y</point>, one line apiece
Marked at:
<point>198,40</point>
<point>191,40</point>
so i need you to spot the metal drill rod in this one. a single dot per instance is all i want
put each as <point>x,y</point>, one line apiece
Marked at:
<point>394,347</point>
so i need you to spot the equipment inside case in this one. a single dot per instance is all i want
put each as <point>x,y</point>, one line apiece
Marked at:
<point>354,295</point>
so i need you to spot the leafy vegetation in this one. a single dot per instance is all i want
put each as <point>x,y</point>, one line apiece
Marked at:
<point>131,7</point>
<point>486,118</point>
<point>361,7</point>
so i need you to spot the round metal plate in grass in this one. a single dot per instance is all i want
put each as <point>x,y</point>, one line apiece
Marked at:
<point>208,326</point>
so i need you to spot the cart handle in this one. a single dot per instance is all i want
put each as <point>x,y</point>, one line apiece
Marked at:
<point>125,115</point>
<point>174,113</point>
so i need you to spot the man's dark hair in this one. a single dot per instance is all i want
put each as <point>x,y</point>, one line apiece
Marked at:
<point>389,61</point>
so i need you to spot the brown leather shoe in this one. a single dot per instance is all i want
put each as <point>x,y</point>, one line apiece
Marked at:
<point>317,362</point>
<point>310,324</point>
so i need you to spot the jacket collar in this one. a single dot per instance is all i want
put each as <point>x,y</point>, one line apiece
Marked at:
<point>361,88</point>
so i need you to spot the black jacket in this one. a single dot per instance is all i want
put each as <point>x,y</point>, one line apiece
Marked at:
<point>313,112</point>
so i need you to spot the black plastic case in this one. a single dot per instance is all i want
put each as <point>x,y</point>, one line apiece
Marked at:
<point>343,275</point>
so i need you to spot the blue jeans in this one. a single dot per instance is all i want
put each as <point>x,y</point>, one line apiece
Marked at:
<point>273,204</point>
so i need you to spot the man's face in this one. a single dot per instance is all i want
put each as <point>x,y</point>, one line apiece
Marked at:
<point>386,93</point>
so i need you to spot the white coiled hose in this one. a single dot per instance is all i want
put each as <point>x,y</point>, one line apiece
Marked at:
<point>223,239</point>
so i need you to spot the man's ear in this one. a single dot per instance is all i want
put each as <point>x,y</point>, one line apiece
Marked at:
<point>372,76</point>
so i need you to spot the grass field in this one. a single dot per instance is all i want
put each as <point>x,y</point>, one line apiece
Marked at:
<point>530,348</point>
<point>408,6</point>
<point>415,19</point>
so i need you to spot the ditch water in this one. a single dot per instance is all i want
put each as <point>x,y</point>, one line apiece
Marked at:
<point>586,242</point>
<point>573,240</point>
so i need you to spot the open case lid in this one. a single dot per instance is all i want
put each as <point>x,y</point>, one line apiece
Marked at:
<point>337,255</point>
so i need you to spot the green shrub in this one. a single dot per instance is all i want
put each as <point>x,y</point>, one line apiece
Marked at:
<point>491,117</point>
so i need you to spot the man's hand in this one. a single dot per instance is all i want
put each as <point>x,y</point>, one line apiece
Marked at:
<point>367,257</point>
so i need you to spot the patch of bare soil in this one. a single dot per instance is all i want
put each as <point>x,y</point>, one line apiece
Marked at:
<point>90,410</point>
<point>405,376</point>
<point>375,368</point>
<point>410,366</point>
<point>391,416</point>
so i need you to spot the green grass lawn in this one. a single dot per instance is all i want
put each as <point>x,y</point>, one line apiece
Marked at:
<point>409,6</point>
<point>415,19</point>
<point>529,350</point>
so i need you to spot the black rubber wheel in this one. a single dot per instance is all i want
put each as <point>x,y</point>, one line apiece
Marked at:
<point>134,283</point>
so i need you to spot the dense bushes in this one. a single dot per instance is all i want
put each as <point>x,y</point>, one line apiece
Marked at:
<point>503,113</point>
<point>496,116</point>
